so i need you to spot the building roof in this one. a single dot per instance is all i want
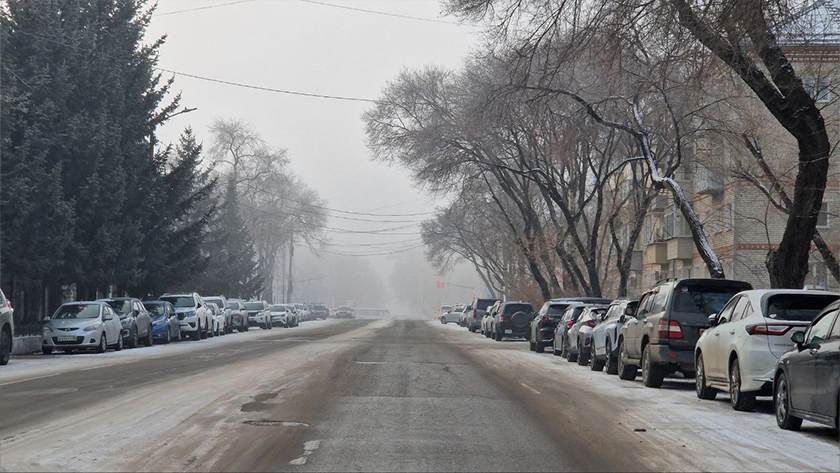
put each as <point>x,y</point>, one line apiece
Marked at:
<point>818,23</point>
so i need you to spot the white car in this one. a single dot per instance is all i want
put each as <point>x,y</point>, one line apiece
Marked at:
<point>258,314</point>
<point>738,353</point>
<point>283,315</point>
<point>7,329</point>
<point>219,326</point>
<point>192,312</point>
<point>450,317</point>
<point>82,326</point>
<point>605,335</point>
<point>223,304</point>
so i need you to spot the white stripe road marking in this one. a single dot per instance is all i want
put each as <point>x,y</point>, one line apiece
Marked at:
<point>529,388</point>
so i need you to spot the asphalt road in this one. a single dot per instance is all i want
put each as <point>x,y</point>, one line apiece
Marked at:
<point>369,395</point>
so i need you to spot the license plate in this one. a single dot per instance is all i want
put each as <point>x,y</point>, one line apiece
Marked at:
<point>66,339</point>
<point>507,330</point>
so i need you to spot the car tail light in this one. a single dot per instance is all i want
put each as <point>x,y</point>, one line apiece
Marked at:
<point>591,323</point>
<point>545,320</point>
<point>670,329</point>
<point>569,324</point>
<point>501,317</point>
<point>475,313</point>
<point>767,329</point>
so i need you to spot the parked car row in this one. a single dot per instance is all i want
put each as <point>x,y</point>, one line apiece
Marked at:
<point>128,322</point>
<point>726,335</point>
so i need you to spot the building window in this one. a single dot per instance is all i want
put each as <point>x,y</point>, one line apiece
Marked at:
<point>822,218</point>
<point>818,88</point>
<point>818,277</point>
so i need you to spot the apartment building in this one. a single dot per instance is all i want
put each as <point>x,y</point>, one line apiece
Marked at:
<point>740,221</point>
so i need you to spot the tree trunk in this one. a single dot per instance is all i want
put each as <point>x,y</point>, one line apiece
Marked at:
<point>290,281</point>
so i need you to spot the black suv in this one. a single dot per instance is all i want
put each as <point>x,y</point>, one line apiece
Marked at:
<point>543,325</point>
<point>512,320</point>
<point>660,336</point>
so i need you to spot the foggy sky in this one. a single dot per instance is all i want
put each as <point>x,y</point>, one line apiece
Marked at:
<point>300,46</point>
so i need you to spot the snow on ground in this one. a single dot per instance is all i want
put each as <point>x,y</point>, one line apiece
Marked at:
<point>689,430</point>
<point>40,366</point>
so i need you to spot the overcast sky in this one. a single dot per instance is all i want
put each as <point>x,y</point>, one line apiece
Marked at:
<point>308,47</point>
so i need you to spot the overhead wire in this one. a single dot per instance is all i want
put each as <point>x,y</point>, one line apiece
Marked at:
<point>208,7</point>
<point>377,12</point>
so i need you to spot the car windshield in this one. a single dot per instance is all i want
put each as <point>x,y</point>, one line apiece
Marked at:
<point>216,301</point>
<point>277,308</point>
<point>706,300</point>
<point>156,309</point>
<point>483,304</point>
<point>514,308</point>
<point>797,307</point>
<point>179,301</point>
<point>556,310</point>
<point>121,306</point>
<point>77,311</point>
<point>254,305</point>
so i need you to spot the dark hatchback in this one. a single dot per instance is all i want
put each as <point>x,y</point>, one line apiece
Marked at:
<point>479,306</point>
<point>807,381</point>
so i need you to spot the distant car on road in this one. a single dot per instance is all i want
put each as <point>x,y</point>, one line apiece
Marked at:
<point>303,312</point>
<point>487,319</point>
<point>165,324</point>
<point>258,314</point>
<point>512,320</point>
<point>219,319</point>
<point>238,314</point>
<point>82,326</point>
<point>222,303</point>
<point>320,311</point>
<point>442,310</point>
<point>579,335</point>
<point>449,317</point>
<point>477,313</point>
<point>560,344</point>
<point>739,351</point>
<point>661,336</point>
<point>192,312</point>
<point>7,329</point>
<point>605,335</point>
<point>545,323</point>
<point>345,312</point>
<point>807,377</point>
<point>282,315</point>
<point>135,319</point>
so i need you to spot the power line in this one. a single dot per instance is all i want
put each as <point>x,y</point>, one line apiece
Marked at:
<point>403,250</point>
<point>267,89</point>
<point>202,8</point>
<point>375,12</point>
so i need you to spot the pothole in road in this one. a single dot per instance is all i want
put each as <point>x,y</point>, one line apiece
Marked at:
<point>275,423</point>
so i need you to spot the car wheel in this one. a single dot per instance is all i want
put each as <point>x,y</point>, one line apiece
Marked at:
<point>46,350</point>
<point>700,382</point>
<point>443,320</point>
<point>611,363</point>
<point>197,334</point>
<point>583,355</point>
<point>5,347</point>
<point>781,405</point>
<point>203,333</point>
<point>625,371</point>
<point>554,347</point>
<point>103,344</point>
<point>540,347</point>
<point>652,375</point>
<point>531,345</point>
<point>498,337</point>
<point>570,357</point>
<point>119,345</point>
<point>149,340</point>
<point>740,400</point>
<point>244,327</point>
<point>132,338</point>
<point>595,364</point>
<point>168,337</point>
<point>564,350</point>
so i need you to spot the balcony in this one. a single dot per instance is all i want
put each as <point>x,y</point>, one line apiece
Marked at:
<point>681,248</point>
<point>656,253</point>
<point>708,181</point>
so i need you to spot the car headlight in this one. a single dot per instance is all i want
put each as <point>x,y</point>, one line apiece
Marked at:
<point>91,328</point>
<point>47,329</point>
<point>190,313</point>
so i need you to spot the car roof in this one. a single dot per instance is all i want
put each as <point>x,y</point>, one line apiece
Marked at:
<point>581,299</point>
<point>179,294</point>
<point>96,302</point>
<point>106,299</point>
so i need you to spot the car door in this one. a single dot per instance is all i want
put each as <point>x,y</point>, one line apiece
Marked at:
<point>635,325</point>
<point>144,320</point>
<point>113,328</point>
<point>827,372</point>
<point>802,366</point>
<point>722,334</point>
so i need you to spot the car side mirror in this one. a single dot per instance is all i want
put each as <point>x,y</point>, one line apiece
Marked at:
<point>622,319</point>
<point>711,320</point>
<point>798,338</point>
<point>105,317</point>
